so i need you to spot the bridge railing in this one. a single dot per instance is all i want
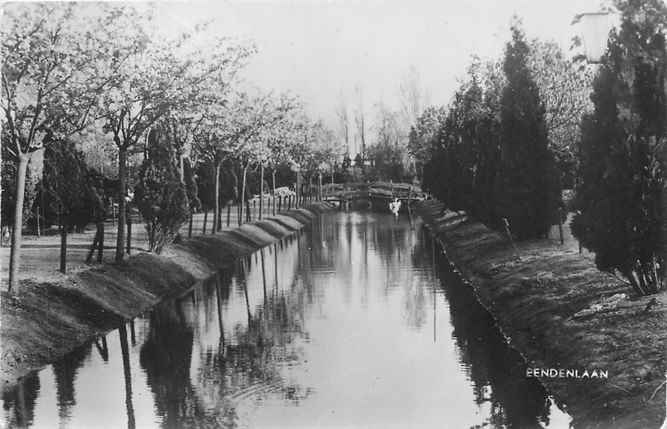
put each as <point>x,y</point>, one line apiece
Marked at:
<point>354,190</point>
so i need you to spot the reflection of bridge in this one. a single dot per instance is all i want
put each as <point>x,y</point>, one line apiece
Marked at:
<point>382,192</point>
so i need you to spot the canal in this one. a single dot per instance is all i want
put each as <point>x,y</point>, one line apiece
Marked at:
<point>356,321</point>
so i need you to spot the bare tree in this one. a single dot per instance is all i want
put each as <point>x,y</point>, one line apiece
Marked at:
<point>412,97</point>
<point>343,120</point>
<point>359,118</point>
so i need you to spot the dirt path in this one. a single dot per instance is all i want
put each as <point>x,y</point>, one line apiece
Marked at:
<point>534,293</point>
<point>40,256</point>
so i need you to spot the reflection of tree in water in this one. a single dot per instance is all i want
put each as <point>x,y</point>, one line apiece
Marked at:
<point>415,304</point>
<point>20,400</point>
<point>419,284</point>
<point>242,366</point>
<point>166,357</point>
<point>496,370</point>
<point>263,346</point>
<point>22,397</point>
<point>387,235</point>
<point>375,236</point>
<point>65,373</point>
<point>395,245</point>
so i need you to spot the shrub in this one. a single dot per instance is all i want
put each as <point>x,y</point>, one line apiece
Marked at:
<point>160,195</point>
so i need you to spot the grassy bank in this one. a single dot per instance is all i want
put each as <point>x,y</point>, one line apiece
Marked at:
<point>49,318</point>
<point>534,290</point>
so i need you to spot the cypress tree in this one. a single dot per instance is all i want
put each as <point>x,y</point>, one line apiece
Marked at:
<point>68,193</point>
<point>527,188</point>
<point>621,178</point>
<point>160,195</point>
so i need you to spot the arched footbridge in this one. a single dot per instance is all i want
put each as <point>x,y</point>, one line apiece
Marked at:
<point>373,192</point>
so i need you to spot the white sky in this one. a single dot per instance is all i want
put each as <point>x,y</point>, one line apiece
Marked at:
<point>317,49</point>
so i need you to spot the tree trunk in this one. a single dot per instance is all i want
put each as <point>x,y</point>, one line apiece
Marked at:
<point>213,223</point>
<point>663,238</point>
<point>266,297</point>
<point>310,188</point>
<point>120,237</point>
<point>15,256</point>
<point>216,212</point>
<point>203,229</point>
<point>129,232</point>
<point>238,212</point>
<point>319,187</point>
<point>229,213</point>
<point>274,191</point>
<point>245,170</point>
<point>95,244</point>
<point>628,274</point>
<point>261,190</point>
<point>245,289</point>
<point>219,224</point>
<point>297,189</point>
<point>236,195</point>
<point>190,224</point>
<point>127,375</point>
<point>100,243</point>
<point>63,248</point>
<point>39,231</point>
<point>219,307</point>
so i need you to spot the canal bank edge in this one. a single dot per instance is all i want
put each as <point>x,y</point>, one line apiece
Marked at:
<point>48,319</point>
<point>534,290</point>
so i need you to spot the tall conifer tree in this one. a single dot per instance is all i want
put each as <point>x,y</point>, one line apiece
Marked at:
<point>618,196</point>
<point>527,189</point>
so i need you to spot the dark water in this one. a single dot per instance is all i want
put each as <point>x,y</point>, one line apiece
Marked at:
<point>357,322</point>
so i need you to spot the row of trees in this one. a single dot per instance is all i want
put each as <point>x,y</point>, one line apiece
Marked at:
<point>489,152</point>
<point>619,195</point>
<point>73,70</point>
<point>519,131</point>
<point>378,136</point>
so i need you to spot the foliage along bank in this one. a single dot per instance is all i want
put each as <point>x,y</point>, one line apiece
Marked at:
<point>498,153</point>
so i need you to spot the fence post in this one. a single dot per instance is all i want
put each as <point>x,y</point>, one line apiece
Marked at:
<point>560,225</point>
<point>63,247</point>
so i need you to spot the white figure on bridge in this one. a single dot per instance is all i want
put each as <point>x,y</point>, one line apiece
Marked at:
<point>395,206</point>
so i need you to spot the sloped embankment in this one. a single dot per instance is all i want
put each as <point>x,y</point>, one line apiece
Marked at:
<point>46,320</point>
<point>533,292</point>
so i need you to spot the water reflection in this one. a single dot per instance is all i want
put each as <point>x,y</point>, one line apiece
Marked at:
<point>19,402</point>
<point>356,322</point>
<point>496,370</point>
<point>65,372</point>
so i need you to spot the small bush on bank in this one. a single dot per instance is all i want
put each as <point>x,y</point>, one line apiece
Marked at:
<point>160,195</point>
